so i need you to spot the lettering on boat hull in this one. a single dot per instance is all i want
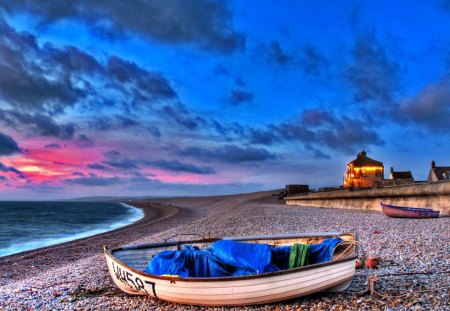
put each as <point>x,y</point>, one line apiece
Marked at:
<point>130,280</point>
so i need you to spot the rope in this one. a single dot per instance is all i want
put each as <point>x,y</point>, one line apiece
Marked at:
<point>346,252</point>
<point>373,279</point>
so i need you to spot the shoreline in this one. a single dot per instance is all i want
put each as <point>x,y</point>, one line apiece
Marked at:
<point>91,245</point>
<point>35,243</point>
<point>413,254</point>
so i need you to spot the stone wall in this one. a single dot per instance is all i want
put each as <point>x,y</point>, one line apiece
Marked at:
<point>432,195</point>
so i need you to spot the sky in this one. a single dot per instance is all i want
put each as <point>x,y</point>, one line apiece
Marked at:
<point>202,97</point>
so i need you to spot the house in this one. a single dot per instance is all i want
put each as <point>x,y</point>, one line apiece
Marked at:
<point>438,173</point>
<point>364,172</point>
<point>400,178</point>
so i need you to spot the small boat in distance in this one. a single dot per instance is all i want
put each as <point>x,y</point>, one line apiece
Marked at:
<point>127,268</point>
<point>408,212</point>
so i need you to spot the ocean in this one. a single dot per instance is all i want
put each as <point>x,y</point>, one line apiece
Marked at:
<point>30,225</point>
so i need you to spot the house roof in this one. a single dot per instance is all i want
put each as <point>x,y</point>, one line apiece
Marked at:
<point>402,175</point>
<point>363,160</point>
<point>440,171</point>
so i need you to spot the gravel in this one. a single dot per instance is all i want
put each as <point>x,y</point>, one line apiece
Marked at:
<point>413,273</point>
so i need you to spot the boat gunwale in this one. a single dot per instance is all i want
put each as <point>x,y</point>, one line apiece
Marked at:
<point>409,208</point>
<point>108,253</point>
<point>396,211</point>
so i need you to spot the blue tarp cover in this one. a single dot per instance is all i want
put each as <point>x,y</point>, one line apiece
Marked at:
<point>231,258</point>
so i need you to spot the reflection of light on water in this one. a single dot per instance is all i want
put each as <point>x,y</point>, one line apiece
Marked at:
<point>135,215</point>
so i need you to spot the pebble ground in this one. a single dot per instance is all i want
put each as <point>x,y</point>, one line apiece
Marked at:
<point>413,274</point>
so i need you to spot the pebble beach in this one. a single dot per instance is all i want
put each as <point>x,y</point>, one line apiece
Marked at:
<point>413,271</point>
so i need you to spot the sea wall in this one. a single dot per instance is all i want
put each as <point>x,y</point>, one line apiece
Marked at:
<point>433,195</point>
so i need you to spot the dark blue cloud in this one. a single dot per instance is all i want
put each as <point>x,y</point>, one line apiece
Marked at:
<point>240,96</point>
<point>318,154</point>
<point>8,145</point>
<point>36,124</point>
<point>430,107</point>
<point>148,85</point>
<point>4,168</point>
<point>276,55</point>
<point>96,166</point>
<point>179,114</point>
<point>307,58</point>
<point>40,83</point>
<point>264,137</point>
<point>228,154</point>
<point>94,181</point>
<point>84,141</point>
<point>112,154</point>
<point>121,164</point>
<point>154,130</point>
<point>322,128</point>
<point>52,146</point>
<point>373,74</point>
<point>25,75</point>
<point>312,61</point>
<point>177,166</point>
<point>119,161</point>
<point>204,23</point>
<point>319,128</point>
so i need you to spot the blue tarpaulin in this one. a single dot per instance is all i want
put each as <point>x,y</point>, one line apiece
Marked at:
<point>231,258</point>
<point>322,252</point>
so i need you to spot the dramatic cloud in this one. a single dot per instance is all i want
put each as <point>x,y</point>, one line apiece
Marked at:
<point>240,96</point>
<point>94,181</point>
<point>431,107</point>
<point>177,166</point>
<point>48,79</point>
<point>308,58</point>
<point>96,166</point>
<point>311,61</point>
<point>204,23</point>
<point>318,154</point>
<point>105,123</point>
<point>276,55</point>
<point>8,145</point>
<point>337,133</point>
<point>119,161</point>
<point>84,141</point>
<point>181,116</point>
<point>322,129</point>
<point>148,85</point>
<point>373,74</point>
<point>52,146</point>
<point>263,137</point>
<point>228,154</point>
<point>154,131</point>
<point>36,124</point>
<point>4,168</point>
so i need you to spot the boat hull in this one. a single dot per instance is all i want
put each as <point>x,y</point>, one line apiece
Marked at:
<point>408,212</point>
<point>234,291</point>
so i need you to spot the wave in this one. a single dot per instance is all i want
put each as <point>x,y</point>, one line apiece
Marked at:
<point>134,214</point>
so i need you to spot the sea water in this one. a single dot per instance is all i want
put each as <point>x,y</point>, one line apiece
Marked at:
<point>30,225</point>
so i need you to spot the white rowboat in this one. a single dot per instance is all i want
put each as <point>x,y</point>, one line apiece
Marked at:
<point>127,264</point>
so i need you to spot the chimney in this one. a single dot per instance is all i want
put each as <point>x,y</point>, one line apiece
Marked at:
<point>433,164</point>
